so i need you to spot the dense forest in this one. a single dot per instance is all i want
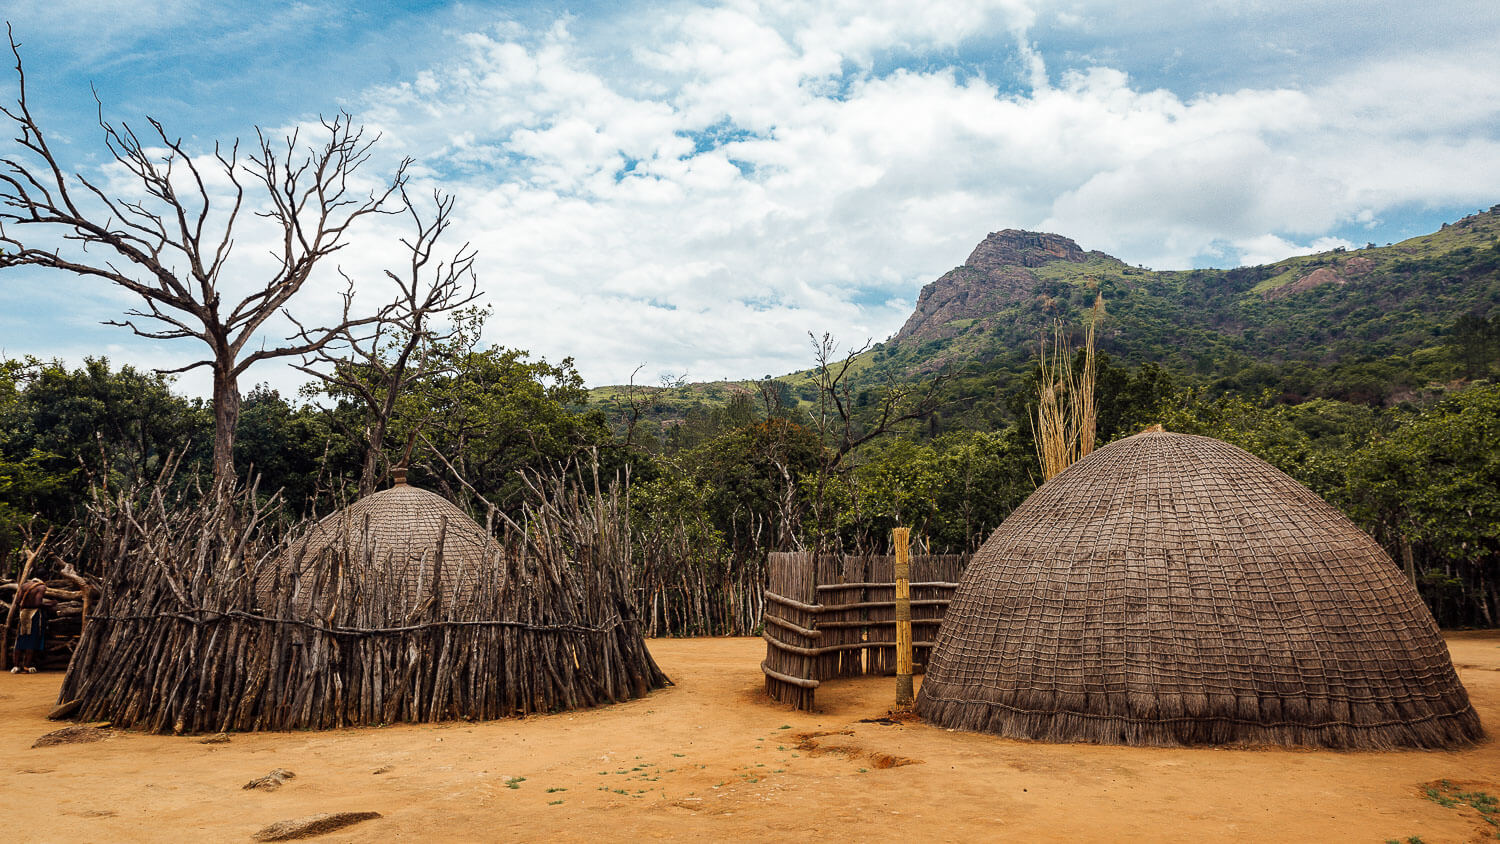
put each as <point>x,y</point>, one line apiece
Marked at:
<point>1380,396</point>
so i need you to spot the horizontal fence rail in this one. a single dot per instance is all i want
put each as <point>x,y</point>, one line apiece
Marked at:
<point>834,615</point>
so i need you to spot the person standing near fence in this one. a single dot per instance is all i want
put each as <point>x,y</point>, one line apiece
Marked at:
<point>31,626</point>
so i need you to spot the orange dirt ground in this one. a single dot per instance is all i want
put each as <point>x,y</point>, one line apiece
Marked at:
<point>713,759</point>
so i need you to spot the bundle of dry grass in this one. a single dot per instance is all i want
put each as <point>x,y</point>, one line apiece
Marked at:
<point>205,625</point>
<point>1172,589</point>
<point>1066,415</point>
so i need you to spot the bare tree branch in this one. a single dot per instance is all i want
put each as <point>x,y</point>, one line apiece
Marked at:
<point>839,427</point>
<point>172,247</point>
<point>406,345</point>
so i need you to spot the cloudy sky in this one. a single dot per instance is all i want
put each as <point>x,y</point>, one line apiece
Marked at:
<point>694,186</point>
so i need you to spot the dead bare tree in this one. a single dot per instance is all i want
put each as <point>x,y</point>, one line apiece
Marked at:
<point>635,405</point>
<point>378,366</point>
<point>842,429</point>
<point>172,246</point>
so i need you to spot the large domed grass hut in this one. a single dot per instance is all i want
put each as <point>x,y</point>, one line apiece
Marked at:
<point>397,608</point>
<point>1171,589</point>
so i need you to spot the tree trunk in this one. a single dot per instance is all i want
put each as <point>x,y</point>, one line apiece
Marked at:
<point>226,420</point>
<point>374,444</point>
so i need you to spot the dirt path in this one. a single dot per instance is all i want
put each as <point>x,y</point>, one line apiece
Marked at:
<point>712,759</point>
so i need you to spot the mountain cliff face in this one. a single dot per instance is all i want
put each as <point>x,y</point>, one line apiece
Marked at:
<point>998,274</point>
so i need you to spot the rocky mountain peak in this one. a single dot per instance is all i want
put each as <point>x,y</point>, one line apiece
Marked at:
<point>1016,248</point>
<point>998,272</point>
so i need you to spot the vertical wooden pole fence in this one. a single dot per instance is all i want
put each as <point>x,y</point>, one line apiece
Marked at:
<point>835,616</point>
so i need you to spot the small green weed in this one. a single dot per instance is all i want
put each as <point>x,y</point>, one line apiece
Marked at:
<point>1448,795</point>
<point>555,790</point>
<point>554,802</point>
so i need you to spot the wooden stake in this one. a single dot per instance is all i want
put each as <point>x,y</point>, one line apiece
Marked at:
<point>902,537</point>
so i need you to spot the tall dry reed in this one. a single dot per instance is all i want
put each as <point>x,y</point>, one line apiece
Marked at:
<point>1066,415</point>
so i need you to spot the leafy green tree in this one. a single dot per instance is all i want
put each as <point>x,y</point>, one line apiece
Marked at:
<point>952,491</point>
<point>1311,442</point>
<point>1434,483</point>
<point>1475,342</point>
<point>298,451</point>
<point>114,426</point>
<point>688,580</point>
<point>496,415</point>
<point>750,477</point>
<point>62,430</point>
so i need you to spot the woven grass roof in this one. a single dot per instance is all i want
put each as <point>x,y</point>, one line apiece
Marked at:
<point>395,533</point>
<point>1173,589</point>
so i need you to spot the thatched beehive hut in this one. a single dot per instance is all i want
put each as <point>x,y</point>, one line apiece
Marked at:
<point>1173,589</point>
<point>398,608</point>
<point>405,537</point>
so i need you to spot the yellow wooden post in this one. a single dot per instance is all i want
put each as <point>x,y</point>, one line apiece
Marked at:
<point>902,537</point>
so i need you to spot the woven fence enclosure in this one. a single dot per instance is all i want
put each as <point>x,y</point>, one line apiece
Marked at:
<point>398,609</point>
<point>1173,589</point>
<point>833,615</point>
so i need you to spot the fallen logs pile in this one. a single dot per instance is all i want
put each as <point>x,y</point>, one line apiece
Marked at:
<point>72,597</point>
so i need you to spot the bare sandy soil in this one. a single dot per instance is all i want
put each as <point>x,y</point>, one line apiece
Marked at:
<point>713,759</point>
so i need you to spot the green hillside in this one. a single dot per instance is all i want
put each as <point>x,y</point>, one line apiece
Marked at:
<point>1371,326</point>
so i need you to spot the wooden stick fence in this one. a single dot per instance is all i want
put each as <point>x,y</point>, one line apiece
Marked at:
<point>834,616</point>
<point>184,640</point>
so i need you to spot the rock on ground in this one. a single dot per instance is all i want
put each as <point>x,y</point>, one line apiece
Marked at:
<point>312,825</point>
<point>271,781</point>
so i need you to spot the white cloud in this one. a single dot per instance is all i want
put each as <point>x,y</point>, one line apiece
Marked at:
<point>1268,248</point>
<point>607,233</point>
<point>745,172</point>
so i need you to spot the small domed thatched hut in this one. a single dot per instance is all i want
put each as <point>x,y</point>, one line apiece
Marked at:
<point>1173,589</point>
<point>394,534</point>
